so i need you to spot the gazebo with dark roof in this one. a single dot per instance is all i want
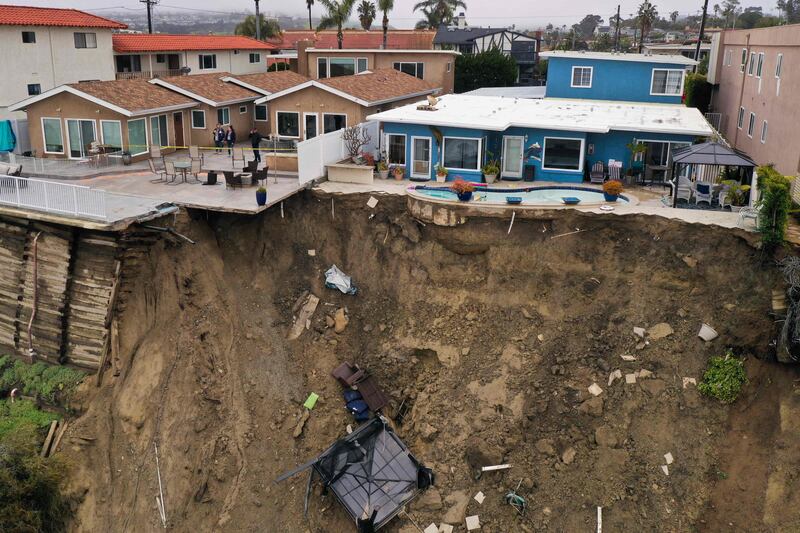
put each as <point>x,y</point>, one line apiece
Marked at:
<point>712,154</point>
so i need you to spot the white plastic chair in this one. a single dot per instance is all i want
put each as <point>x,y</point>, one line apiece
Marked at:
<point>748,212</point>
<point>684,188</point>
<point>703,196</point>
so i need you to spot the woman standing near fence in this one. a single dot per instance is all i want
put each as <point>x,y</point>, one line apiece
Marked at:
<point>230,136</point>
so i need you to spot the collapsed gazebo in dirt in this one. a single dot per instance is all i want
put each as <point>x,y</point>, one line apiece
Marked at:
<point>370,471</point>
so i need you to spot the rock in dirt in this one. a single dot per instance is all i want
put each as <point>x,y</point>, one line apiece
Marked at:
<point>639,332</point>
<point>690,261</point>
<point>659,331</point>
<point>568,455</point>
<point>653,387</point>
<point>604,436</point>
<point>479,453</point>
<point>431,500</point>
<point>458,502</point>
<point>592,406</point>
<point>329,321</point>
<point>298,429</point>
<point>340,320</point>
<point>546,447</point>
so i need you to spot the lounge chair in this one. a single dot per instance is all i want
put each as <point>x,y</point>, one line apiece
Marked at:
<point>232,180</point>
<point>703,192</point>
<point>195,154</point>
<point>351,376</point>
<point>160,172</point>
<point>724,197</point>
<point>598,173</point>
<point>684,186</point>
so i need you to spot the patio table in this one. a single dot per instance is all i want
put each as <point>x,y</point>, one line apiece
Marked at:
<point>184,167</point>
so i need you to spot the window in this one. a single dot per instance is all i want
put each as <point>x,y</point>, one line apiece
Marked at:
<point>224,115</point>
<point>29,37</point>
<point>322,67</point>
<point>751,125</point>
<point>53,136</point>
<point>128,63</point>
<point>137,136</point>
<point>310,120</point>
<point>288,123</point>
<point>34,89</point>
<point>412,69</point>
<point>161,58</point>
<point>158,131</point>
<point>763,132</point>
<point>208,61</point>
<point>255,58</point>
<point>85,40</point>
<point>361,65</point>
<point>562,154</point>
<point>667,82</point>
<point>198,119</point>
<point>333,122</point>
<point>752,64</point>
<point>760,64</point>
<point>728,57</point>
<point>461,153</point>
<point>744,60</point>
<point>111,131</point>
<point>261,113</point>
<point>242,109</point>
<point>779,66</point>
<point>581,77</point>
<point>740,120</point>
<point>449,66</point>
<point>396,149</point>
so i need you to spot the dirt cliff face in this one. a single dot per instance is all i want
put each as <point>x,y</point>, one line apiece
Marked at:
<point>492,340</point>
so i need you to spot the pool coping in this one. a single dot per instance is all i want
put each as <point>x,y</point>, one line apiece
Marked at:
<point>411,191</point>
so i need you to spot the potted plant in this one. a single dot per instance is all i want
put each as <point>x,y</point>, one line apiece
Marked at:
<point>383,170</point>
<point>441,174</point>
<point>635,149</point>
<point>398,172</point>
<point>261,196</point>
<point>612,190</point>
<point>463,189</point>
<point>490,170</point>
<point>737,193</point>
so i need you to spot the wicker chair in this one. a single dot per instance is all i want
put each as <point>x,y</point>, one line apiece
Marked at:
<point>232,180</point>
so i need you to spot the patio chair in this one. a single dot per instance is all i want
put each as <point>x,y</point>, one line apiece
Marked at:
<point>703,192</point>
<point>160,172</point>
<point>745,213</point>
<point>598,173</point>
<point>170,172</point>
<point>614,172</point>
<point>196,169</point>
<point>155,152</point>
<point>260,175</point>
<point>232,180</point>
<point>237,154</point>
<point>724,197</point>
<point>195,154</point>
<point>684,186</point>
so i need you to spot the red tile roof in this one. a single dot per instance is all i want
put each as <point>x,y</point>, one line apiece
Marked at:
<point>158,42</point>
<point>397,39</point>
<point>46,16</point>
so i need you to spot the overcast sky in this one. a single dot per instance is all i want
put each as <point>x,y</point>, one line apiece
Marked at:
<point>522,13</point>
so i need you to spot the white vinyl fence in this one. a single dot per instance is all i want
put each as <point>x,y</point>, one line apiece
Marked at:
<point>314,154</point>
<point>53,197</point>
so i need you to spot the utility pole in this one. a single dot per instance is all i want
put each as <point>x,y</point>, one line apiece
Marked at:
<point>258,22</point>
<point>700,37</point>
<point>149,4</point>
<point>616,32</point>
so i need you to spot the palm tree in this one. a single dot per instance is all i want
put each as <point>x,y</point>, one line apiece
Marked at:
<point>385,6</point>
<point>437,12</point>
<point>269,27</point>
<point>647,16</point>
<point>338,11</point>
<point>366,14</point>
<point>428,20</point>
<point>310,3</point>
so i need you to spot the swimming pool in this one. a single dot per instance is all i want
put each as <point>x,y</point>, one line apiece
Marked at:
<point>545,196</point>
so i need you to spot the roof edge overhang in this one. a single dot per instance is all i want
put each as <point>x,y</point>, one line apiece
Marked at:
<point>249,86</point>
<point>72,90</point>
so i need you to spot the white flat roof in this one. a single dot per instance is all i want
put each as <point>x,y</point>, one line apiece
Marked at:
<point>495,113</point>
<point>526,91</point>
<point>612,56</point>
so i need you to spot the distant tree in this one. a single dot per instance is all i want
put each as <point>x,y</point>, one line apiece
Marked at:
<point>750,17</point>
<point>277,67</point>
<point>585,28</point>
<point>730,10</point>
<point>603,43</point>
<point>437,12</point>
<point>269,27</point>
<point>673,16</point>
<point>768,22</point>
<point>487,69</point>
<point>428,21</point>
<point>791,9</point>
<point>366,14</point>
<point>336,16</point>
<point>310,4</point>
<point>570,41</point>
<point>385,6</point>
<point>646,16</point>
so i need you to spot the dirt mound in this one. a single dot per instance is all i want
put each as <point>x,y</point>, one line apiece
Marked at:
<point>492,340</point>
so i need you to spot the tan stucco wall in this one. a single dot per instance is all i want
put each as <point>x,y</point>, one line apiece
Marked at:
<point>242,122</point>
<point>314,100</point>
<point>762,96</point>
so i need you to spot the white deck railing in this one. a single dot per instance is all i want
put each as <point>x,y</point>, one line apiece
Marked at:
<point>52,197</point>
<point>63,167</point>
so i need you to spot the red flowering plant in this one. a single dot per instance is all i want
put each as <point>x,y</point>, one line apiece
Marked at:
<point>461,186</point>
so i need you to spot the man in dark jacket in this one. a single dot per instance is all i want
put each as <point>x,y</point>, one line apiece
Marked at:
<point>255,142</point>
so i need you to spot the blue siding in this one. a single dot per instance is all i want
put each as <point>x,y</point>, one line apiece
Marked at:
<point>611,80</point>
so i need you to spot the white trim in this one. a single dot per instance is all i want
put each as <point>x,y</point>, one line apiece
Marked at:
<point>740,118</point>
<point>255,113</point>
<point>444,144</point>
<point>591,78</point>
<point>778,65</point>
<point>413,157</point>
<point>66,88</point>
<point>166,123</point>
<point>195,96</point>
<point>580,160</point>
<point>405,148</point>
<point>416,68</point>
<point>250,58</point>
<point>517,174</point>
<point>61,130</point>
<point>146,135</point>
<point>249,86</point>
<point>103,136</point>
<point>278,125</point>
<point>242,107</point>
<point>316,122</point>
<point>751,124</point>
<point>611,56</point>
<point>200,62</point>
<point>229,115</point>
<point>67,146</point>
<point>346,96</point>
<point>668,70</point>
<point>191,119</point>
<point>166,109</point>
<point>337,114</point>
<point>764,131</point>
<point>743,61</point>
<point>751,64</point>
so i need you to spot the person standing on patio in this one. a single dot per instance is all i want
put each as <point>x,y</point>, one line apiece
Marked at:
<point>230,137</point>
<point>219,137</point>
<point>255,142</point>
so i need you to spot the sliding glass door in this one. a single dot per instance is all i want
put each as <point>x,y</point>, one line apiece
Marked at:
<point>81,134</point>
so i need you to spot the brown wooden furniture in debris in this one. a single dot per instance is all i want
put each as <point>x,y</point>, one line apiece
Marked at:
<point>351,376</point>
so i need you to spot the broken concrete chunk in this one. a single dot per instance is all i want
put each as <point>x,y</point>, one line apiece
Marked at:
<point>687,381</point>
<point>540,337</point>
<point>668,458</point>
<point>372,202</point>
<point>312,252</point>
<point>595,389</point>
<point>431,529</point>
<point>644,373</point>
<point>473,522</point>
<point>628,358</point>
<point>639,332</point>
<point>479,497</point>
<point>665,469</point>
<point>445,528</point>
<point>690,261</point>
<point>630,378</point>
<point>707,333</point>
<point>616,374</point>
<point>303,317</point>
<point>659,331</point>
<point>458,501</point>
<point>298,429</point>
<point>604,436</point>
<point>641,345</point>
<point>568,456</point>
<point>340,320</point>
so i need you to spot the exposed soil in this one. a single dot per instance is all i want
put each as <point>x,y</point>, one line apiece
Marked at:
<point>493,339</point>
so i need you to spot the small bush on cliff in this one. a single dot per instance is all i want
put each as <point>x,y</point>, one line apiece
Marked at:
<point>724,378</point>
<point>53,384</point>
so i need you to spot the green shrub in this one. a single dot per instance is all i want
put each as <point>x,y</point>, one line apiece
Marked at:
<point>724,378</point>
<point>775,202</point>
<point>23,417</point>
<point>491,68</point>
<point>51,383</point>
<point>698,92</point>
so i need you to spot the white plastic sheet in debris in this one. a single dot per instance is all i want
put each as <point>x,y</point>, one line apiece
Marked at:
<point>336,279</point>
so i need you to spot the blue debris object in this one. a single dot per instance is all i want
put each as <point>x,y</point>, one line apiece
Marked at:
<point>513,200</point>
<point>336,279</point>
<point>570,200</point>
<point>350,395</point>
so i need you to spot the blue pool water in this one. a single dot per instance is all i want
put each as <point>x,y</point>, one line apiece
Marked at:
<point>530,195</point>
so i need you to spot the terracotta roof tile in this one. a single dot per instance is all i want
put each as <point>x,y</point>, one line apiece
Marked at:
<point>397,39</point>
<point>157,42</point>
<point>211,87</point>
<point>133,95</point>
<point>273,82</point>
<point>46,16</point>
<point>380,85</point>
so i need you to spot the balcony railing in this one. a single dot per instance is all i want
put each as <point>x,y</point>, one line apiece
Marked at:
<point>148,75</point>
<point>523,56</point>
<point>52,197</point>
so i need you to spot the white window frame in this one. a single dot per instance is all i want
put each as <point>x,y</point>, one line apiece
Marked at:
<point>146,134</point>
<point>266,113</point>
<point>653,78</point>
<point>242,109</point>
<point>591,77</point>
<point>201,63</point>
<point>328,114</point>
<point>228,112</point>
<point>580,161</point>
<point>327,61</point>
<point>166,124</point>
<point>416,67</point>
<point>86,39</point>
<point>316,121</point>
<point>366,64</point>
<point>405,148</point>
<point>430,157</point>
<point>751,125</point>
<point>480,146</point>
<point>191,117</point>
<point>256,56</point>
<point>79,120</point>
<point>752,65</point>
<point>778,66</point>
<point>61,130</point>
<point>449,66</point>
<point>740,118</point>
<point>278,125</point>
<point>760,66</point>
<point>764,127</point>
<point>743,61</point>
<point>728,57</point>
<point>103,136</point>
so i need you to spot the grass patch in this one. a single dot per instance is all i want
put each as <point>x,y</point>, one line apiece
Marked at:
<point>53,384</point>
<point>22,417</point>
<point>724,378</point>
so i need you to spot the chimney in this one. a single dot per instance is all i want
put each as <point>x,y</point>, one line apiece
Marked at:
<point>461,20</point>
<point>302,57</point>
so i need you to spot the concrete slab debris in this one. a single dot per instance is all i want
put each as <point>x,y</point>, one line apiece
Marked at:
<point>639,332</point>
<point>595,389</point>
<point>431,529</point>
<point>665,469</point>
<point>305,314</point>
<point>312,252</point>
<point>659,331</point>
<point>687,381</point>
<point>616,374</point>
<point>668,458</point>
<point>445,528</point>
<point>479,497</point>
<point>540,337</point>
<point>628,358</point>
<point>372,202</point>
<point>473,522</point>
<point>630,379</point>
<point>644,373</point>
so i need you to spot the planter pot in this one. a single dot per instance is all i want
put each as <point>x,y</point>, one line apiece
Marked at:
<point>441,178</point>
<point>383,174</point>
<point>464,196</point>
<point>398,176</point>
<point>261,198</point>
<point>490,177</point>
<point>345,172</point>
<point>707,333</point>
<point>126,158</point>
<point>610,197</point>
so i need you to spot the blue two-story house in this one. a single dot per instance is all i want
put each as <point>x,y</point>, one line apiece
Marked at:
<point>597,105</point>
